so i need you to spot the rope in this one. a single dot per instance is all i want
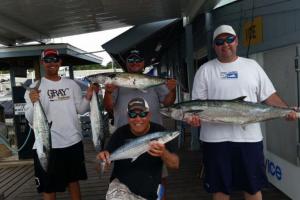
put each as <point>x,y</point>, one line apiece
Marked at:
<point>14,150</point>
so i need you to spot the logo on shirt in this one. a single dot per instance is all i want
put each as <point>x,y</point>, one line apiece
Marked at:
<point>229,75</point>
<point>58,95</point>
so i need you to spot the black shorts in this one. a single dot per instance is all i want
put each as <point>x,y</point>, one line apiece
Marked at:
<point>66,165</point>
<point>231,166</point>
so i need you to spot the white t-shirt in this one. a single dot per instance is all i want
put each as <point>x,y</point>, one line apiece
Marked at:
<point>62,101</point>
<point>243,77</point>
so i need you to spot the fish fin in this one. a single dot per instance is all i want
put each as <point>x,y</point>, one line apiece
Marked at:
<point>194,111</point>
<point>101,168</point>
<point>184,89</point>
<point>241,98</point>
<point>36,87</point>
<point>87,80</point>
<point>244,126</point>
<point>134,158</point>
<point>143,90</point>
<point>44,149</point>
<point>50,125</point>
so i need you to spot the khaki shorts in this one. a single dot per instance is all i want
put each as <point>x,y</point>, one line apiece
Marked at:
<point>119,191</point>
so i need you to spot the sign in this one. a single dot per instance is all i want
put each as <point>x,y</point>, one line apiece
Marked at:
<point>273,169</point>
<point>253,31</point>
<point>19,108</point>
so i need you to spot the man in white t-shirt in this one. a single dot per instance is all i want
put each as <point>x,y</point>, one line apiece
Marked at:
<point>61,99</point>
<point>232,155</point>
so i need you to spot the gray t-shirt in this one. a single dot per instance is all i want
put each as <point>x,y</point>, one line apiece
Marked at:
<point>154,96</point>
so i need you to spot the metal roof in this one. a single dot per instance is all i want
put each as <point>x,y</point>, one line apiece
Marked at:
<point>40,20</point>
<point>25,56</point>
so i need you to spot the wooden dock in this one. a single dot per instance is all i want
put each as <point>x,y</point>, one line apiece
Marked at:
<point>17,181</point>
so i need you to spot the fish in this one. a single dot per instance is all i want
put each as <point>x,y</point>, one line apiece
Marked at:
<point>42,131</point>
<point>42,134</point>
<point>98,122</point>
<point>235,111</point>
<point>128,80</point>
<point>140,145</point>
<point>133,149</point>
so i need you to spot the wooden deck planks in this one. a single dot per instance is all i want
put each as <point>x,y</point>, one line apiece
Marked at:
<point>17,183</point>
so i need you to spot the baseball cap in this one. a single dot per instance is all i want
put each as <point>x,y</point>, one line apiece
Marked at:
<point>223,29</point>
<point>138,104</point>
<point>134,53</point>
<point>49,52</point>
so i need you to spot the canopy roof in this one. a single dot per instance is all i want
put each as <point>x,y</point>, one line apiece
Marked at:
<point>35,20</point>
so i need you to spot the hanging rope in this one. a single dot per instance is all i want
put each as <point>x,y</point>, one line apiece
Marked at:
<point>4,141</point>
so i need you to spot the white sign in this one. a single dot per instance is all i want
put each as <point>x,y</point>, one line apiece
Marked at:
<point>19,108</point>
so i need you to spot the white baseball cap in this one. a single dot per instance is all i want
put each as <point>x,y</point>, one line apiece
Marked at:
<point>223,29</point>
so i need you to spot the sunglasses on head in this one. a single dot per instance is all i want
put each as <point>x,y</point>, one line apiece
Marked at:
<point>132,114</point>
<point>135,60</point>
<point>229,39</point>
<point>51,59</point>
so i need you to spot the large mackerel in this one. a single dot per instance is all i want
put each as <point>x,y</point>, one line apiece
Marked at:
<point>129,80</point>
<point>42,131</point>
<point>98,120</point>
<point>236,111</point>
<point>42,134</point>
<point>137,147</point>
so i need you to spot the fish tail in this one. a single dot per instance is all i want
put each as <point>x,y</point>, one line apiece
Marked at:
<point>102,168</point>
<point>87,80</point>
<point>34,88</point>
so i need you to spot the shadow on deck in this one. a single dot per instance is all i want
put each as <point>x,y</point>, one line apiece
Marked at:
<point>17,182</point>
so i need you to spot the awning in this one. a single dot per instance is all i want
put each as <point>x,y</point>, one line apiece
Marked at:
<point>25,56</point>
<point>149,38</point>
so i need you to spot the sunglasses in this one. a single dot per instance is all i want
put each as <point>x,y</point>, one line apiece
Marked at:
<point>229,39</point>
<point>54,59</point>
<point>140,114</point>
<point>135,60</point>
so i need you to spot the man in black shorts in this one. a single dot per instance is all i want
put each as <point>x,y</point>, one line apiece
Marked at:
<point>62,100</point>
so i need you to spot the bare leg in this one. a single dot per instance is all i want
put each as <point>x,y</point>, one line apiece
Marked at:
<point>49,196</point>
<point>74,189</point>
<point>256,196</point>
<point>220,196</point>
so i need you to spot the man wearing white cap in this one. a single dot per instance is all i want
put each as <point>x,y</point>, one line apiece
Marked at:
<point>233,155</point>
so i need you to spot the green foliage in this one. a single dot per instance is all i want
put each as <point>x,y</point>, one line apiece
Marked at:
<point>96,66</point>
<point>89,67</point>
<point>116,65</point>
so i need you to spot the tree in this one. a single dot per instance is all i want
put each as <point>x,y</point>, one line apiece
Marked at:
<point>109,65</point>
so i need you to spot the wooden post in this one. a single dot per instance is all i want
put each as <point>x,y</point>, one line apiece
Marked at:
<point>37,70</point>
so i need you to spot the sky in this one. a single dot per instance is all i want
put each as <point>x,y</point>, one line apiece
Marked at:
<point>92,41</point>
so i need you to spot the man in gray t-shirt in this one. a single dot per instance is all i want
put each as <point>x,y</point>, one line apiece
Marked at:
<point>117,98</point>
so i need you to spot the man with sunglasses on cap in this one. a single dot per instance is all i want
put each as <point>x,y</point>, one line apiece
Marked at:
<point>62,101</point>
<point>138,179</point>
<point>233,155</point>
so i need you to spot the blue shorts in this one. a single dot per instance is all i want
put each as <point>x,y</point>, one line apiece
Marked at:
<point>231,166</point>
<point>66,165</point>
